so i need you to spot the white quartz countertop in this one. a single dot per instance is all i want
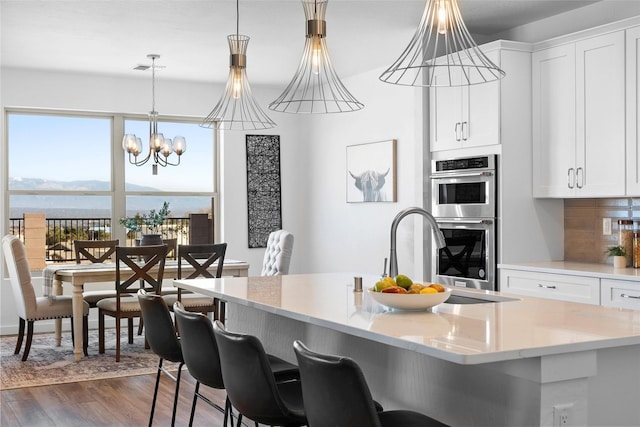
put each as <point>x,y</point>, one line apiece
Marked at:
<point>603,271</point>
<point>460,333</point>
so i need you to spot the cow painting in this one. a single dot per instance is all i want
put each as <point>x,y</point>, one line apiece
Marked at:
<point>371,184</point>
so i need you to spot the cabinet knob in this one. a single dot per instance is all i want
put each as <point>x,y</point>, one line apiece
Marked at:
<point>540,285</point>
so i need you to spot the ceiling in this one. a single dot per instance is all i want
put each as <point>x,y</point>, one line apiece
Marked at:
<point>113,36</point>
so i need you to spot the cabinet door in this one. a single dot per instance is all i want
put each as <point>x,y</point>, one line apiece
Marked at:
<point>633,123</point>
<point>600,116</point>
<point>481,111</point>
<point>553,97</point>
<point>465,116</point>
<point>445,112</point>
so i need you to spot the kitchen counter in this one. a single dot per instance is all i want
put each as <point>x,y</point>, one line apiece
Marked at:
<point>602,271</point>
<point>504,363</point>
<point>460,333</point>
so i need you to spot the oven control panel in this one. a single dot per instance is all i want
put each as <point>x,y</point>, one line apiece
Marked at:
<point>473,163</point>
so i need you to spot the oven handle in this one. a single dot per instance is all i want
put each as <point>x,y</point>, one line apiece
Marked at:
<point>463,221</point>
<point>461,175</point>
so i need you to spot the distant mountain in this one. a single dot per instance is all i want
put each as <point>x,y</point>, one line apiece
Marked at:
<point>99,207</point>
<point>88,185</point>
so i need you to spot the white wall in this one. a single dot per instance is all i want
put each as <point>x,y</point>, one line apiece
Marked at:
<point>355,236</point>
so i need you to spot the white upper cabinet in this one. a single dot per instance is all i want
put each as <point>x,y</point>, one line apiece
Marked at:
<point>578,94</point>
<point>465,116</point>
<point>633,123</point>
<point>554,120</point>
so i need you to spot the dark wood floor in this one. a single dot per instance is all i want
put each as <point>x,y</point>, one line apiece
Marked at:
<point>114,402</point>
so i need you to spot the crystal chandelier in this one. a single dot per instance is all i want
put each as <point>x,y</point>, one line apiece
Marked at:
<point>315,88</point>
<point>160,148</point>
<point>442,52</point>
<point>237,109</point>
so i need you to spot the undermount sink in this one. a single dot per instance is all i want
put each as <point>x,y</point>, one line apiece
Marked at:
<point>461,297</point>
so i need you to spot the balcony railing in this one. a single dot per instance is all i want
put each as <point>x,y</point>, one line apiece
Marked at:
<point>61,232</point>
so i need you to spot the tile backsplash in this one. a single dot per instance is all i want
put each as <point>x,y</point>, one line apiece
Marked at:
<point>583,238</point>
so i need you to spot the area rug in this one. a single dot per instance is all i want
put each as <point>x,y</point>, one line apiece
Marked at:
<point>48,364</point>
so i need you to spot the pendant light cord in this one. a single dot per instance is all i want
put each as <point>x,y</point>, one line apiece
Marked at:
<point>153,84</point>
<point>237,18</point>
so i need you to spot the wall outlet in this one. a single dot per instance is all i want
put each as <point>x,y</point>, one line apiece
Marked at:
<point>563,415</point>
<point>606,226</point>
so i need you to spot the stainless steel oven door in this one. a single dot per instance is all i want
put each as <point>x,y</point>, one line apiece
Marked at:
<point>466,194</point>
<point>469,259</point>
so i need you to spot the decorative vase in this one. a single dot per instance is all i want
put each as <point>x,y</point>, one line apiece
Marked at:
<point>619,262</point>
<point>151,239</point>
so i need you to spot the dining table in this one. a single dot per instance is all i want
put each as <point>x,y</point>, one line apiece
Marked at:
<point>79,275</point>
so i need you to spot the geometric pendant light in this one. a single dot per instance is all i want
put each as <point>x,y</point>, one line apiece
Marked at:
<point>237,109</point>
<point>316,87</point>
<point>442,52</point>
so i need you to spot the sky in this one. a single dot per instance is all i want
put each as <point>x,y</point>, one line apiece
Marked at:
<point>78,148</point>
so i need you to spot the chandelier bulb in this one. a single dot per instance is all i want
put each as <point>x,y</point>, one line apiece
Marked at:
<point>442,17</point>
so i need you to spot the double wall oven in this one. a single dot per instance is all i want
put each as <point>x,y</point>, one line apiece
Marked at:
<point>464,206</point>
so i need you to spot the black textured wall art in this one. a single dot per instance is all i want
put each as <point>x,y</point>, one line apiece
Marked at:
<point>263,188</point>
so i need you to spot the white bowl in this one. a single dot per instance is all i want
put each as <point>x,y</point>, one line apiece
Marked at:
<point>410,301</point>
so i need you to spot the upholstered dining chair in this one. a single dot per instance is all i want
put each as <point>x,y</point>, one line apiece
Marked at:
<point>202,357</point>
<point>277,256</point>
<point>31,308</point>
<point>251,386</point>
<point>96,252</point>
<point>336,393</point>
<point>129,272</point>
<point>160,333</point>
<point>201,257</point>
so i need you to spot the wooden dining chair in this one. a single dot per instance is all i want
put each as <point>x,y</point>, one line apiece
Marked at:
<point>96,252</point>
<point>131,275</point>
<point>201,257</point>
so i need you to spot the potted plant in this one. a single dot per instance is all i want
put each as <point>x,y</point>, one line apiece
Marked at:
<point>619,256</point>
<point>149,225</point>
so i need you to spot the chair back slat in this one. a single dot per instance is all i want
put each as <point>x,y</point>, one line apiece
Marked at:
<point>95,251</point>
<point>150,271</point>
<point>201,257</point>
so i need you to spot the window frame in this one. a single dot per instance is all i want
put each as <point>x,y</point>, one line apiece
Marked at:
<point>118,158</point>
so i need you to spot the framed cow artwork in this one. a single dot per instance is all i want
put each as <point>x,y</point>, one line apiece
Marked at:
<point>371,172</point>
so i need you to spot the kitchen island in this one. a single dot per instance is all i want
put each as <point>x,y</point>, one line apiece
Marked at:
<point>518,361</point>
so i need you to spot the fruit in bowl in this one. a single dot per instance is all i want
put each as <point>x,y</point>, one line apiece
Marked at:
<point>411,296</point>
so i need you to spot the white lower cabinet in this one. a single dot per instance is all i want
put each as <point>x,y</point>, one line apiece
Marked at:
<point>620,294</point>
<point>552,286</point>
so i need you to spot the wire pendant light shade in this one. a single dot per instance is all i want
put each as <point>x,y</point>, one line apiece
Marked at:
<point>442,52</point>
<point>316,87</point>
<point>237,109</point>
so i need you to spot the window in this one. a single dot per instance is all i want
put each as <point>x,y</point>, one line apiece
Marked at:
<point>68,165</point>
